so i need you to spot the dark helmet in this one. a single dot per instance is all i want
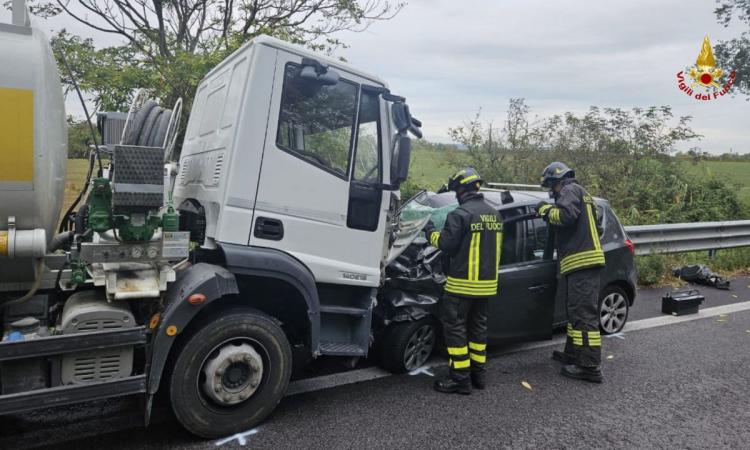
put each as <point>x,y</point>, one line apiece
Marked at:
<point>556,172</point>
<point>466,177</point>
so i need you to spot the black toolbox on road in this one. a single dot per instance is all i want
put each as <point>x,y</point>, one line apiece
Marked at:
<point>679,303</point>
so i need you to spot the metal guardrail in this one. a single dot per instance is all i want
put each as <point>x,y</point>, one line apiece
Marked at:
<point>686,237</point>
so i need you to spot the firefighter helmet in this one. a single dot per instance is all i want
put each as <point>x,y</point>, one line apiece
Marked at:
<point>466,177</point>
<point>556,172</point>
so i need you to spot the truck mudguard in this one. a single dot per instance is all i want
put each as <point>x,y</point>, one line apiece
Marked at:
<point>271,263</point>
<point>210,280</point>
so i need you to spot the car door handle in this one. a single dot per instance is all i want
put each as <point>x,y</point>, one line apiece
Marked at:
<point>538,287</point>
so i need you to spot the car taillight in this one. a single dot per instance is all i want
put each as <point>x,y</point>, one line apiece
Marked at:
<point>630,246</point>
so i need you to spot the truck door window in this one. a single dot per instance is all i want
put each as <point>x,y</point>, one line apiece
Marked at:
<point>367,155</point>
<point>316,122</point>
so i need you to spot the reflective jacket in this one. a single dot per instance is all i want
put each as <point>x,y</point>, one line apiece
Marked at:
<point>472,238</point>
<point>574,217</point>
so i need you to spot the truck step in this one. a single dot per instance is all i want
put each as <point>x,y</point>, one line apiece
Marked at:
<point>346,310</point>
<point>336,349</point>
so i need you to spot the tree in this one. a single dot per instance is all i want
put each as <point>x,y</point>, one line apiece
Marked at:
<point>169,45</point>
<point>734,54</point>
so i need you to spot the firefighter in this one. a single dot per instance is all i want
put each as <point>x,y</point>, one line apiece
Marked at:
<point>581,260</point>
<point>471,239</point>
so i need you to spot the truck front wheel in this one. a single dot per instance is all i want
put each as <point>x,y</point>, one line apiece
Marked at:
<point>231,372</point>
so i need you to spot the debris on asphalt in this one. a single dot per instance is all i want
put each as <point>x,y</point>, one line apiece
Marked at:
<point>610,356</point>
<point>722,318</point>
<point>526,385</point>
<point>700,274</point>
<point>424,370</point>
<point>735,296</point>
<point>679,303</point>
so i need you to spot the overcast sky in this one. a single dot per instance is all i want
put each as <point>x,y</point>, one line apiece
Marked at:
<point>450,58</point>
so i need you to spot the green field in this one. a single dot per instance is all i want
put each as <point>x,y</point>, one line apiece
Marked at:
<point>430,169</point>
<point>735,173</point>
<point>74,180</point>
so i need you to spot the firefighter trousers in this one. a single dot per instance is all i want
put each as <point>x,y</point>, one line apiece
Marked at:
<point>464,322</point>
<point>584,340</point>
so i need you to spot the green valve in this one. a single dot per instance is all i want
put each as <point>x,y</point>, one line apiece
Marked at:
<point>170,220</point>
<point>100,201</point>
<point>77,272</point>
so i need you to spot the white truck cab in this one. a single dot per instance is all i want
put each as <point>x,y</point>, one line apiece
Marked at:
<point>286,178</point>
<point>292,164</point>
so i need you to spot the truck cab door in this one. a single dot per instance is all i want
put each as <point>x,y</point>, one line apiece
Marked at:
<point>320,195</point>
<point>524,305</point>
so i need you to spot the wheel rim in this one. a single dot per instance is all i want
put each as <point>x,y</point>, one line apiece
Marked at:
<point>231,373</point>
<point>613,313</point>
<point>419,347</point>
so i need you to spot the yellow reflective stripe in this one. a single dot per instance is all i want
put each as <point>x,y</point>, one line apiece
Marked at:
<point>4,243</point>
<point>477,347</point>
<point>478,358</point>
<point>588,262</point>
<point>592,228</point>
<point>457,351</point>
<point>435,238</point>
<point>471,292</point>
<point>461,364</point>
<point>471,283</point>
<point>554,215</point>
<point>467,179</point>
<point>472,246</point>
<point>544,208</point>
<point>582,255</point>
<point>498,250</point>
<point>476,256</point>
<point>582,265</point>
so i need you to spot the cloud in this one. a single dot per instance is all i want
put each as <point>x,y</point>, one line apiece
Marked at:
<point>451,58</point>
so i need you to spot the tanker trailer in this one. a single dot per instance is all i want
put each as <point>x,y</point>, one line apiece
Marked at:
<point>33,150</point>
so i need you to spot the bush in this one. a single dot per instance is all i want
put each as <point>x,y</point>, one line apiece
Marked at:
<point>650,269</point>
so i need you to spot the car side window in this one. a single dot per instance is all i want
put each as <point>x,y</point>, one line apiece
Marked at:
<point>513,237</point>
<point>316,122</point>
<point>536,239</point>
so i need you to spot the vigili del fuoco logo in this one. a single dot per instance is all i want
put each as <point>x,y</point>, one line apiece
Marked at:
<point>706,77</point>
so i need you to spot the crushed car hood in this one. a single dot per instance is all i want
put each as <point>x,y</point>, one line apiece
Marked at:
<point>407,232</point>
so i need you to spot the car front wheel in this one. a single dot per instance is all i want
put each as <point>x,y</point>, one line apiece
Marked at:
<point>407,346</point>
<point>614,307</point>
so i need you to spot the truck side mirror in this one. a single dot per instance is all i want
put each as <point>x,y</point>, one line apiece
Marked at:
<point>404,158</point>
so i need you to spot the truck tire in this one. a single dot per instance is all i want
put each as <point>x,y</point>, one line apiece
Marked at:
<point>408,345</point>
<point>230,373</point>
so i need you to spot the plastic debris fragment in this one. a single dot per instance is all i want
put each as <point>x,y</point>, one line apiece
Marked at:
<point>526,385</point>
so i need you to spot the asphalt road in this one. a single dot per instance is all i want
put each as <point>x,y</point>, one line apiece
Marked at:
<point>678,385</point>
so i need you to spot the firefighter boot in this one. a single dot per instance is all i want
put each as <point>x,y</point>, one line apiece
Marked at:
<point>592,374</point>
<point>478,380</point>
<point>451,386</point>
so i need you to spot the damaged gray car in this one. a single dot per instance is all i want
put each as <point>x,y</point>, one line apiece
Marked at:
<point>526,306</point>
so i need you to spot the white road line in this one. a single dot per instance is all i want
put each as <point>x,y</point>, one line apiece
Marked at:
<point>373,373</point>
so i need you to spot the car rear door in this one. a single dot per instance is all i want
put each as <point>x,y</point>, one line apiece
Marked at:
<point>524,305</point>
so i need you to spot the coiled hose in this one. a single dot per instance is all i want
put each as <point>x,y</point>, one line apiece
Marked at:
<point>149,126</point>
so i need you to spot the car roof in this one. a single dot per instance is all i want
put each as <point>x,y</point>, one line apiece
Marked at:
<point>520,198</point>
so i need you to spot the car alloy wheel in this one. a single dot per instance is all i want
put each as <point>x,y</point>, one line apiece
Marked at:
<point>613,312</point>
